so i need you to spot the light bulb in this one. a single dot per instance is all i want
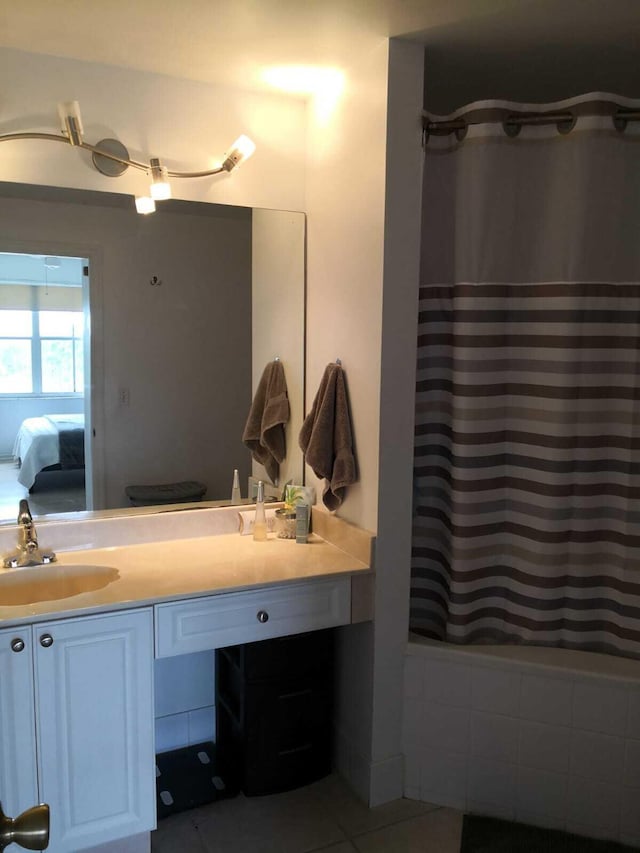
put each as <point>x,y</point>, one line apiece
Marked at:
<point>240,150</point>
<point>160,186</point>
<point>145,204</point>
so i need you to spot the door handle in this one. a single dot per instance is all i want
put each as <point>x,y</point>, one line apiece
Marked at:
<point>29,830</point>
<point>17,644</point>
<point>46,640</point>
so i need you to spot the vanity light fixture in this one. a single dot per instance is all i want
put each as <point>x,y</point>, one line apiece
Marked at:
<point>160,186</point>
<point>111,158</point>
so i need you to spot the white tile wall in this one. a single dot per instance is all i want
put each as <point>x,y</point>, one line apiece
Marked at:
<point>595,804</point>
<point>546,700</point>
<point>447,683</point>
<point>492,782</point>
<point>632,764</point>
<point>443,778</point>
<point>633,727</point>
<point>600,708</point>
<point>495,690</point>
<point>494,736</point>
<point>542,792</point>
<point>523,740</point>
<point>596,756</point>
<point>544,747</point>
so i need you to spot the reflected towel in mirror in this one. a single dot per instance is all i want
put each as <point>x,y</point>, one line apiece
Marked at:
<point>264,431</point>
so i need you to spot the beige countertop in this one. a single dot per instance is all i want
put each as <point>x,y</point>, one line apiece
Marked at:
<point>111,578</point>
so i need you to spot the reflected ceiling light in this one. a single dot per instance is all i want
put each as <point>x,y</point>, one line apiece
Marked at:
<point>111,158</point>
<point>145,204</point>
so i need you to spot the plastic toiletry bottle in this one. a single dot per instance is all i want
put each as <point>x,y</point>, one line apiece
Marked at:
<point>260,523</point>
<point>302,523</point>
<point>236,497</point>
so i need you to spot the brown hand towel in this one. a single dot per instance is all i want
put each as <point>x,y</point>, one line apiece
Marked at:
<point>325,437</point>
<point>264,431</point>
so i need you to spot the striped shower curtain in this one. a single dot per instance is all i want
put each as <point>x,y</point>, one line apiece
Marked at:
<point>527,441</point>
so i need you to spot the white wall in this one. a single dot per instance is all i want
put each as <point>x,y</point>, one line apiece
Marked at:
<point>363,207</point>
<point>345,215</point>
<point>345,227</point>
<point>188,124</point>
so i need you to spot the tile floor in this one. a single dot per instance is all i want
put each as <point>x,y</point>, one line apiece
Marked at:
<point>59,491</point>
<point>325,817</point>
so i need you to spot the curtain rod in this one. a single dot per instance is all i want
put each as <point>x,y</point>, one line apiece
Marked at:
<point>512,123</point>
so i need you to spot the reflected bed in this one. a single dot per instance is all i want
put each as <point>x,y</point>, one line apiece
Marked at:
<point>49,442</point>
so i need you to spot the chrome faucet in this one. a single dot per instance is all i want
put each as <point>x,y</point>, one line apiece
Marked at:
<point>28,552</point>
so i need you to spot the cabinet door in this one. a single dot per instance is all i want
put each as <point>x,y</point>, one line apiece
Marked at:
<point>18,781</point>
<point>94,706</point>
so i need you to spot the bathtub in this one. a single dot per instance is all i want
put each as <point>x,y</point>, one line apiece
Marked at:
<point>549,737</point>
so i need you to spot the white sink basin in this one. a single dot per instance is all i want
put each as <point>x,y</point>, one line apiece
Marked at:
<point>51,582</point>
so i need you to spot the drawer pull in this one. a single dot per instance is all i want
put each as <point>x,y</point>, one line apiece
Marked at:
<point>263,616</point>
<point>46,640</point>
<point>17,645</point>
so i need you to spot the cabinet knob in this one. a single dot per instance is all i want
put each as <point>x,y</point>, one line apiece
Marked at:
<point>46,640</point>
<point>17,644</point>
<point>263,616</point>
<point>29,830</point>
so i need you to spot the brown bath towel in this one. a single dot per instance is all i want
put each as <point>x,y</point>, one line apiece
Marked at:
<point>264,431</point>
<point>325,437</point>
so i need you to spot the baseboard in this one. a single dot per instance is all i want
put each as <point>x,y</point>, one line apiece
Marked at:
<point>140,843</point>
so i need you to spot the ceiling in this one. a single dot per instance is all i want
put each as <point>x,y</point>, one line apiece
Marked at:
<point>231,42</point>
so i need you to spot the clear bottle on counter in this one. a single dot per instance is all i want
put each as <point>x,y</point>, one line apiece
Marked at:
<point>260,523</point>
<point>236,497</point>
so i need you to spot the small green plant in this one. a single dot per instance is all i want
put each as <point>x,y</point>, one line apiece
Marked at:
<point>293,495</point>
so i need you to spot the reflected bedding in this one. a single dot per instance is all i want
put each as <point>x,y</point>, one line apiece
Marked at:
<point>49,440</point>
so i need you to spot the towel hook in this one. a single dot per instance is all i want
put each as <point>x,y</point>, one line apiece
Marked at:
<point>339,361</point>
<point>277,358</point>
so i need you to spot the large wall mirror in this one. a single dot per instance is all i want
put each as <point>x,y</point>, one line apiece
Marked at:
<point>150,333</point>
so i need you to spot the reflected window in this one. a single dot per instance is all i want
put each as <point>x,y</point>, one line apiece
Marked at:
<point>41,352</point>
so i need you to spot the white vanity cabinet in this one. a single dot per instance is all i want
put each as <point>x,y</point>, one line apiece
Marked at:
<point>84,688</point>
<point>18,775</point>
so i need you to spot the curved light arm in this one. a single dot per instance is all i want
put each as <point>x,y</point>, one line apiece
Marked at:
<point>95,149</point>
<point>54,137</point>
<point>206,174</point>
<point>111,158</point>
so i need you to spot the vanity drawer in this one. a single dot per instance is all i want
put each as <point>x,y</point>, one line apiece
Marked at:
<point>245,617</point>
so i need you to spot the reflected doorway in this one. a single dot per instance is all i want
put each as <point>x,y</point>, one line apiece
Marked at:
<point>45,384</point>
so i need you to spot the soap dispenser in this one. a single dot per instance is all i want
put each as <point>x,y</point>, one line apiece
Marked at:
<point>260,523</point>
<point>236,497</point>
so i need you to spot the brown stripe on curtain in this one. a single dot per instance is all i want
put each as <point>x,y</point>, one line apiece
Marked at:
<point>526,467</point>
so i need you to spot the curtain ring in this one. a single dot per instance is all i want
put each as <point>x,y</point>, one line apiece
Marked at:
<point>566,125</point>
<point>619,121</point>
<point>511,127</point>
<point>461,132</point>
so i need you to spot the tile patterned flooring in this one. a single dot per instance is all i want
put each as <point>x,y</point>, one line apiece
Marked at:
<point>61,491</point>
<point>325,817</point>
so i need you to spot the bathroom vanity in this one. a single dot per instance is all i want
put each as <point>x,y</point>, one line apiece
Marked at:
<point>78,641</point>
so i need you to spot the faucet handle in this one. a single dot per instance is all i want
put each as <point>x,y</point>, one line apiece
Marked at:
<point>24,513</point>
